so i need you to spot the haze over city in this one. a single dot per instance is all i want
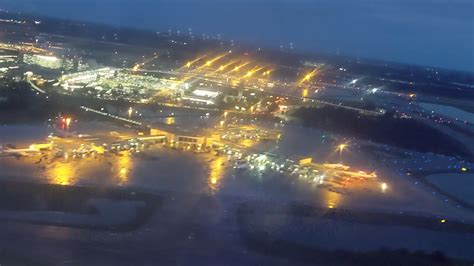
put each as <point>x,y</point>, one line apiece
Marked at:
<point>423,32</point>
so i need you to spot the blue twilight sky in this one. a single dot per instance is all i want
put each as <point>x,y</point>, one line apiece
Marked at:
<point>426,32</point>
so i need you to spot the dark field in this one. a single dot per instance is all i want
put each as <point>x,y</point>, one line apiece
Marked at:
<point>403,133</point>
<point>36,197</point>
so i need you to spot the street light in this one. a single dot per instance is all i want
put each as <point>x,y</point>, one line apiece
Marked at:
<point>308,76</point>
<point>304,94</point>
<point>341,147</point>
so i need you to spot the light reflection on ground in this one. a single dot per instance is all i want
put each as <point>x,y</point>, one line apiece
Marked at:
<point>61,173</point>
<point>216,173</point>
<point>332,199</point>
<point>123,167</point>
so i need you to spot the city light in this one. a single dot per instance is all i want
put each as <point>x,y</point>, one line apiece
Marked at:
<point>190,63</point>
<point>223,67</point>
<point>170,120</point>
<point>215,59</point>
<point>341,147</point>
<point>136,67</point>
<point>238,67</point>
<point>130,112</point>
<point>304,94</point>
<point>308,76</point>
<point>383,187</point>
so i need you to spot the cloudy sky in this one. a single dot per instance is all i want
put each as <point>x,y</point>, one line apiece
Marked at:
<point>426,32</point>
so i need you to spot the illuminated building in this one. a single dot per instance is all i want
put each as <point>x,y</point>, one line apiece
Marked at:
<point>202,96</point>
<point>206,93</point>
<point>199,99</point>
<point>87,76</point>
<point>45,61</point>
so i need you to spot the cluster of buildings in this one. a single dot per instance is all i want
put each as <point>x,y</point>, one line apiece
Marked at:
<point>110,83</point>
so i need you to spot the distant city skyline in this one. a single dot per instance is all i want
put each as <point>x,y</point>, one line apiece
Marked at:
<point>434,33</point>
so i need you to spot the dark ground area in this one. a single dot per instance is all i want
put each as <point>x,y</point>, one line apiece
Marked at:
<point>261,240</point>
<point>23,105</point>
<point>19,196</point>
<point>255,237</point>
<point>403,133</point>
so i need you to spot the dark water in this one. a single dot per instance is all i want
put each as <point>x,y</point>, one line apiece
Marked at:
<point>426,32</point>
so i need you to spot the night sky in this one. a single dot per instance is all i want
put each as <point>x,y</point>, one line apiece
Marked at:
<point>425,32</point>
